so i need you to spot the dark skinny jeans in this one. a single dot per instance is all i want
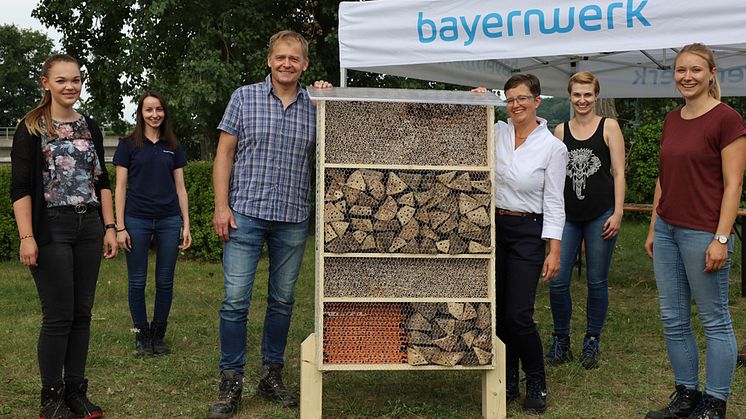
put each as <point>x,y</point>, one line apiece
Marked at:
<point>66,278</point>
<point>519,260</point>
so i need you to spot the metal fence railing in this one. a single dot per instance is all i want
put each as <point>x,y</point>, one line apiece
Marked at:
<point>7,132</point>
<point>6,140</point>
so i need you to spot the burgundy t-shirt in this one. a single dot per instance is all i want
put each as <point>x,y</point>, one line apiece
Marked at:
<point>691,173</point>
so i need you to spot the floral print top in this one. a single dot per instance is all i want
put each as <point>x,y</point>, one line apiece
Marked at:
<point>70,164</point>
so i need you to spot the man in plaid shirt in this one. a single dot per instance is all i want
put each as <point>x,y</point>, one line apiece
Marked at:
<point>261,178</point>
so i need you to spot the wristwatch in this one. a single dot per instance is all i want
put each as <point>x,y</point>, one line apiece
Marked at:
<point>721,238</point>
<point>108,226</point>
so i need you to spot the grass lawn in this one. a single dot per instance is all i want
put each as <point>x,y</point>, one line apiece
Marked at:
<point>634,375</point>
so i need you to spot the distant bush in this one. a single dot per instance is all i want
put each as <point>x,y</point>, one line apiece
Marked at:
<point>198,178</point>
<point>642,170</point>
<point>8,231</point>
<point>206,245</point>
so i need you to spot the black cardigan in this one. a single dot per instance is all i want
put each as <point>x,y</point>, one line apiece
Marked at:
<point>26,177</point>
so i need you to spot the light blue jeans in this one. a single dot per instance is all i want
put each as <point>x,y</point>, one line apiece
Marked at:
<point>287,242</point>
<point>598,260</point>
<point>679,262</point>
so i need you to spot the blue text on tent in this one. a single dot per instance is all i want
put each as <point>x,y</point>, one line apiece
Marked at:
<point>493,25</point>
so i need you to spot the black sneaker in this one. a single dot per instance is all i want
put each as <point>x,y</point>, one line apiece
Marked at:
<point>77,400</point>
<point>709,408</point>
<point>158,334</point>
<point>536,394</point>
<point>512,390</point>
<point>53,403</point>
<point>143,340</point>
<point>559,350</point>
<point>681,406</point>
<point>229,397</point>
<point>272,388</point>
<point>591,352</point>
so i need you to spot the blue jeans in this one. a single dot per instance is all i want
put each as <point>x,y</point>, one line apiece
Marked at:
<point>679,262</point>
<point>598,261</point>
<point>167,232</point>
<point>286,242</point>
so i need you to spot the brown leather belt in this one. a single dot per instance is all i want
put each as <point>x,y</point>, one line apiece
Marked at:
<point>501,211</point>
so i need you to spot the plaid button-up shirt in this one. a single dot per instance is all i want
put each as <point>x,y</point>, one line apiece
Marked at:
<point>274,154</point>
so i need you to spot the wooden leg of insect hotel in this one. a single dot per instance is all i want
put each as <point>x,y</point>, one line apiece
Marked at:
<point>493,385</point>
<point>310,380</point>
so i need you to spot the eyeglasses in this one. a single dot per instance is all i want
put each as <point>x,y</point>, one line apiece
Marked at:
<point>520,100</point>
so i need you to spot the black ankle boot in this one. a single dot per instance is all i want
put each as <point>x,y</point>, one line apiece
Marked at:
<point>512,390</point>
<point>709,408</point>
<point>77,400</point>
<point>158,333</point>
<point>536,393</point>
<point>272,388</point>
<point>683,402</point>
<point>143,340</point>
<point>53,403</point>
<point>229,396</point>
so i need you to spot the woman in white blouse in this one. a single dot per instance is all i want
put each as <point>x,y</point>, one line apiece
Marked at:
<point>530,214</point>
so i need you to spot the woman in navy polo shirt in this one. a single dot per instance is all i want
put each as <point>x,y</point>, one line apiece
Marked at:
<point>152,200</point>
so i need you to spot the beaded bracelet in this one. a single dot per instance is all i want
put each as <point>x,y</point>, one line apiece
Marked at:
<point>28,236</point>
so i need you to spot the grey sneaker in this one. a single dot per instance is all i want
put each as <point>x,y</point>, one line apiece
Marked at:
<point>559,350</point>
<point>591,352</point>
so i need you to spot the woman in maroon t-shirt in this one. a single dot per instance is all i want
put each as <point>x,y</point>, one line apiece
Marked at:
<point>702,158</point>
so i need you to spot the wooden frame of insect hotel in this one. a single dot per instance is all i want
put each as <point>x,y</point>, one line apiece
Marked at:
<point>405,238</point>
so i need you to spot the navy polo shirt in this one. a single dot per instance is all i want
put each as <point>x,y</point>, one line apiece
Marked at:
<point>151,191</point>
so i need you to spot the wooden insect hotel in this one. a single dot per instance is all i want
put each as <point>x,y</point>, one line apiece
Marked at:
<point>404,238</point>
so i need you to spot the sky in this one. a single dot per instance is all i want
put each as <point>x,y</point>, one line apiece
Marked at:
<point>18,12</point>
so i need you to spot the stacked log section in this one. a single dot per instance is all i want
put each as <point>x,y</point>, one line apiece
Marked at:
<point>448,334</point>
<point>364,333</point>
<point>405,134</point>
<point>407,211</point>
<point>405,278</point>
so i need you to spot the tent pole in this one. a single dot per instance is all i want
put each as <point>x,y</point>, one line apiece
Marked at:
<point>342,77</point>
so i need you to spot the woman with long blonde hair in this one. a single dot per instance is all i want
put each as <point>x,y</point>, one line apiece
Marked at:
<point>63,208</point>
<point>702,159</point>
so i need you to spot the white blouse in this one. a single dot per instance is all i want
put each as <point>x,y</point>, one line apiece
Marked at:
<point>532,177</point>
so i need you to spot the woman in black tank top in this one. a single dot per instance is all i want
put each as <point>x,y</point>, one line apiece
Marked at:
<point>594,196</point>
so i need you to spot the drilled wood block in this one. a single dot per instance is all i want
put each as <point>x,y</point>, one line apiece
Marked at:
<point>410,278</point>
<point>405,134</point>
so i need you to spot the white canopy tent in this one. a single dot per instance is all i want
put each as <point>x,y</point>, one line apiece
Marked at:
<point>629,44</point>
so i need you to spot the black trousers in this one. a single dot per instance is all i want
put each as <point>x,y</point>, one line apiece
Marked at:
<point>65,279</point>
<point>520,254</point>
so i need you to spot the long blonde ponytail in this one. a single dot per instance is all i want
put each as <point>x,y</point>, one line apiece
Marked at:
<point>43,111</point>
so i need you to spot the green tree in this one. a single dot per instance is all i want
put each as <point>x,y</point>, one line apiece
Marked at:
<point>195,52</point>
<point>22,55</point>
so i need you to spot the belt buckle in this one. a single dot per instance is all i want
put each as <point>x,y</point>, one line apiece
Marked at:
<point>81,209</point>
